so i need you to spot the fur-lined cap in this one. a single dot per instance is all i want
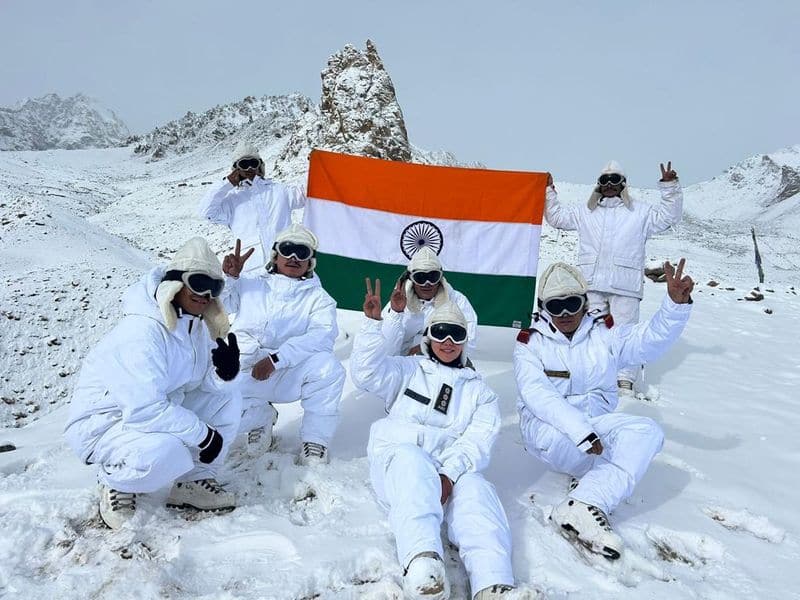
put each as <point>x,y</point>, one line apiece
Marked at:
<point>561,279</point>
<point>245,149</point>
<point>297,234</point>
<point>195,256</point>
<point>447,312</point>
<point>611,167</point>
<point>424,259</point>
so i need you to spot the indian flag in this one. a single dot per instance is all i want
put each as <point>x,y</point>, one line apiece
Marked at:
<point>372,215</point>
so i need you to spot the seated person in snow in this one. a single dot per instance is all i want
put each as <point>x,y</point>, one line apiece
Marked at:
<point>420,289</point>
<point>566,368</point>
<point>426,456</point>
<point>253,207</point>
<point>148,408</point>
<point>286,327</point>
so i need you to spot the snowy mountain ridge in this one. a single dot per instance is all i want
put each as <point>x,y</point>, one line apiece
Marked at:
<point>50,122</point>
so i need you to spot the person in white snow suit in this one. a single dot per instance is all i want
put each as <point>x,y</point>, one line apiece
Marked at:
<point>151,408</point>
<point>286,326</point>
<point>612,230</point>
<point>253,207</point>
<point>420,289</point>
<point>565,367</point>
<point>427,455</point>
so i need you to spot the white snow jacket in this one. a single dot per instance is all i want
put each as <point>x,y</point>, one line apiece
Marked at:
<point>139,373</point>
<point>565,382</point>
<point>404,330</point>
<point>275,314</point>
<point>448,412</point>
<point>612,236</point>
<point>254,211</point>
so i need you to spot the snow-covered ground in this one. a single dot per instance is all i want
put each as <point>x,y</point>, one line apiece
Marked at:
<point>715,517</point>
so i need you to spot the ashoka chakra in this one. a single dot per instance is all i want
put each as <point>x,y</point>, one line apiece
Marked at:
<point>420,234</point>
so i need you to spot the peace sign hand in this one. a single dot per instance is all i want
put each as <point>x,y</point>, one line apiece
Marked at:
<point>679,286</point>
<point>398,298</point>
<point>225,358</point>
<point>669,173</point>
<point>233,264</point>
<point>372,302</point>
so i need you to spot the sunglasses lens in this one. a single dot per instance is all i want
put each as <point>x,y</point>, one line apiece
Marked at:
<point>248,163</point>
<point>299,251</point>
<point>560,306</point>
<point>439,332</point>
<point>612,178</point>
<point>202,284</point>
<point>426,277</point>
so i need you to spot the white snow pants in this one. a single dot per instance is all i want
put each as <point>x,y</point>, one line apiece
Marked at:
<point>317,383</point>
<point>140,462</point>
<point>407,483</point>
<point>625,310</point>
<point>629,445</point>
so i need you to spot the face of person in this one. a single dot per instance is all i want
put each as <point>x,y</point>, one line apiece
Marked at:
<point>426,292</point>
<point>446,351</point>
<point>192,303</point>
<point>611,190</point>
<point>291,267</point>
<point>248,167</point>
<point>568,324</point>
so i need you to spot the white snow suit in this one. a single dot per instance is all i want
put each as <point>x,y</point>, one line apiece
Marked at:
<point>294,320</point>
<point>145,396</point>
<point>401,338</point>
<point>254,211</point>
<point>568,390</point>
<point>441,420</point>
<point>611,251</point>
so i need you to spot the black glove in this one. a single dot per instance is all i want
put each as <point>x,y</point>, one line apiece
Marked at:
<point>226,358</point>
<point>211,446</point>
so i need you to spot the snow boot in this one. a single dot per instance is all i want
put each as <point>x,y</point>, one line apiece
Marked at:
<point>573,483</point>
<point>425,578</point>
<point>116,508</point>
<point>312,453</point>
<point>588,525</point>
<point>494,591</point>
<point>262,439</point>
<point>203,494</point>
<point>625,388</point>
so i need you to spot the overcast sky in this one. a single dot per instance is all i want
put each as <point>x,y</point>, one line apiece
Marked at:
<point>560,86</point>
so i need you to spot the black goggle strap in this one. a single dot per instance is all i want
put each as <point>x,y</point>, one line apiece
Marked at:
<point>439,332</point>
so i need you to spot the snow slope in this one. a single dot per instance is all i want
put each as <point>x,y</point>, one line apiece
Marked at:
<point>715,517</point>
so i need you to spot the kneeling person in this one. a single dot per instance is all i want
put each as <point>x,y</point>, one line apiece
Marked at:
<point>426,456</point>
<point>566,368</point>
<point>286,326</point>
<point>148,408</point>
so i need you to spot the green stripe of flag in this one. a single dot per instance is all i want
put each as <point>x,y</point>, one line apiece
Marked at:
<point>501,300</point>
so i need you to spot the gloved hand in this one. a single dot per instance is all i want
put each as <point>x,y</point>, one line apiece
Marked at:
<point>226,358</point>
<point>211,446</point>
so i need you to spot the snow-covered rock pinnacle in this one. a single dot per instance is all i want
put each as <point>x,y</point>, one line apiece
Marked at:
<point>52,122</point>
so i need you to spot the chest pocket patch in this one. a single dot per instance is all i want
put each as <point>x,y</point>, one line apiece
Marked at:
<point>443,399</point>
<point>417,396</point>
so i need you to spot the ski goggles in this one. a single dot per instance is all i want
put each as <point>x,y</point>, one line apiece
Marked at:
<point>246,164</point>
<point>202,285</point>
<point>564,305</point>
<point>612,178</point>
<point>439,332</point>
<point>426,277</point>
<point>290,249</point>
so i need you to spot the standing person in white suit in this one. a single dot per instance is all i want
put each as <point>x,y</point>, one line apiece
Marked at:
<point>151,408</point>
<point>565,367</point>
<point>286,327</point>
<point>254,208</point>
<point>427,455</point>
<point>612,231</point>
<point>420,289</point>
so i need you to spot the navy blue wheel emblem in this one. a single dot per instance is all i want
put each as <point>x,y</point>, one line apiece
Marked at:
<point>420,234</point>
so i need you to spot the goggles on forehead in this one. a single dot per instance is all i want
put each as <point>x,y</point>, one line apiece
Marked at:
<point>439,332</point>
<point>247,163</point>
<point>426,277</point>
<point>612,178</point>
<point>202,285</point>
<point>290,249</point>
<point>564,305</point>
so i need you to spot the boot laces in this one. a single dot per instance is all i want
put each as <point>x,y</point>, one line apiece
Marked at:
<point>314,449</point>
<point>211,485</point>
<point>122,500</point>
<point>600,517</point>
<point>254,436</point>
<point>501,588</point>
